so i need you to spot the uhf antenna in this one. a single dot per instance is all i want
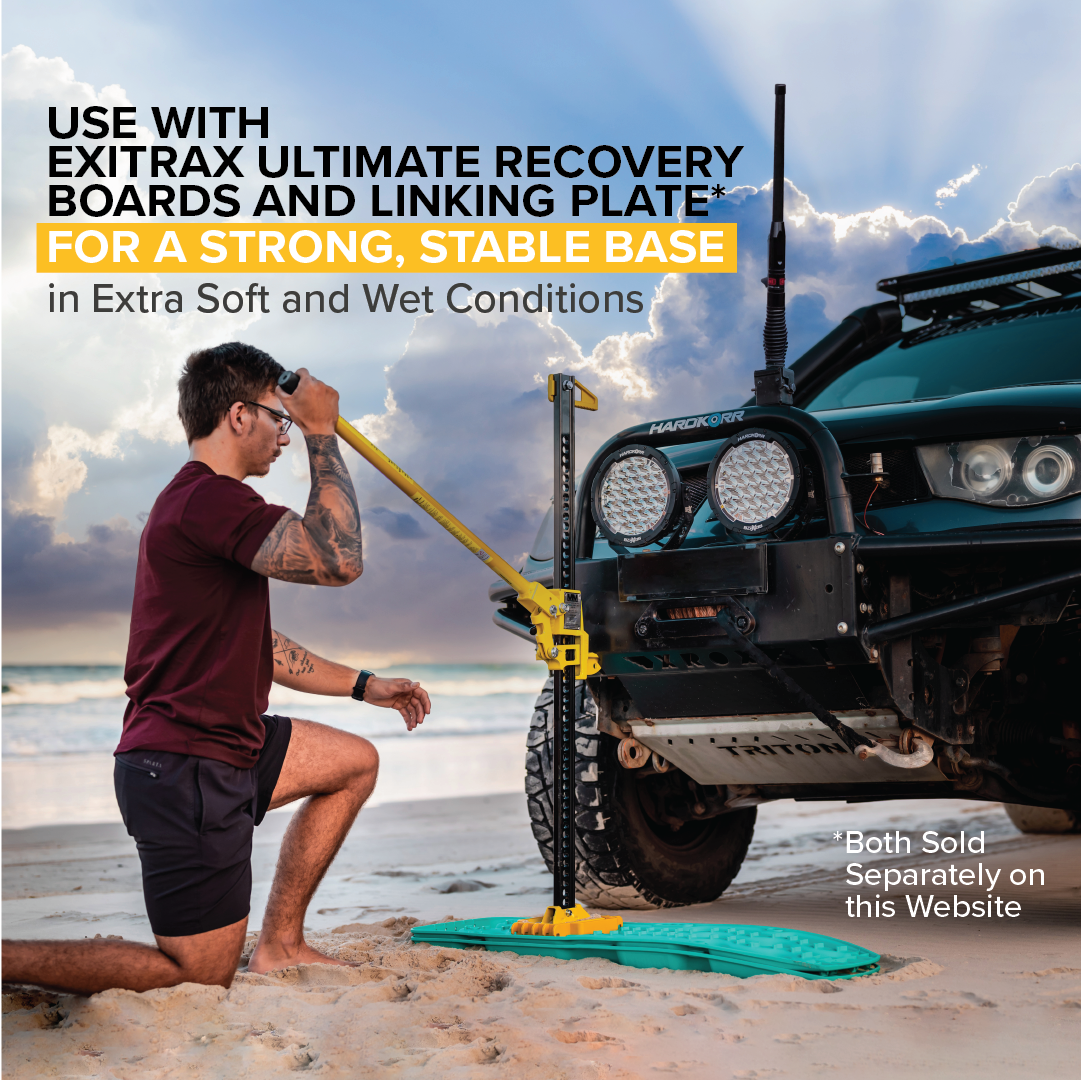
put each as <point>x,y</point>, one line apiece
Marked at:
<point>774,384</point>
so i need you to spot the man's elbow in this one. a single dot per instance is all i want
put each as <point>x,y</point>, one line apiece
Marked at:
<point>341,575</point>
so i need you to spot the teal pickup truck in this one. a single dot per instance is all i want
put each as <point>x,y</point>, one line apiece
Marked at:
<point>898,551</point>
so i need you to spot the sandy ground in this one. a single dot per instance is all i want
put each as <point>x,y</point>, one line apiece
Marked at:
<point>957,997</point>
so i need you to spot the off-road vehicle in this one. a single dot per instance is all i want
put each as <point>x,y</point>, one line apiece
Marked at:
<point>869,593</point>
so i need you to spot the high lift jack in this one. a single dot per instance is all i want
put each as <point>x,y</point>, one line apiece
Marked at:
<point>556,615</point>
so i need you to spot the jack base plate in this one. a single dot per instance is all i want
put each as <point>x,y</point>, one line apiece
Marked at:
<point>563,922</point>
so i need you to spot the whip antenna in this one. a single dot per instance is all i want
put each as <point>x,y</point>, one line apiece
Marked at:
<point>774,384</point>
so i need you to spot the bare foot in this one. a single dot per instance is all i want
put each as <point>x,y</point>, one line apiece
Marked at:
<point>274,956</point>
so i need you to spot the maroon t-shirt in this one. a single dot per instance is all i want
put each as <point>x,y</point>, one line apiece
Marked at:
<point>199,664</point>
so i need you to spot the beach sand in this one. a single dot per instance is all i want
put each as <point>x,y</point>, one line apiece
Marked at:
<point>957,998</point>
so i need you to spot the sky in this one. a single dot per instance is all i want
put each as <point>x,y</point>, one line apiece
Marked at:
<point>917,134</point>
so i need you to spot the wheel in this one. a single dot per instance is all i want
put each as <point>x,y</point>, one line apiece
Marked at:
<point>624,856</point>
<point>1040,819</point>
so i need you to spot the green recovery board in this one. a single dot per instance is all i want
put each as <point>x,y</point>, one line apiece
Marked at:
<point>729,949</point>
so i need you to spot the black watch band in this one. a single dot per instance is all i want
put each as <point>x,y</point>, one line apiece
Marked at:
<point>361,683</point>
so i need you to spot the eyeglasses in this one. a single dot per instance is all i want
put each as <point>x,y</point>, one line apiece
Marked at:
<point>284,422</point>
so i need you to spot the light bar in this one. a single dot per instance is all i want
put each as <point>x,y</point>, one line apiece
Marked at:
<point>985,283</point>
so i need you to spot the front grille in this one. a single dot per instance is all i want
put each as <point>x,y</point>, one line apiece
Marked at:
<point>906,482</point>
<point>694,486</point>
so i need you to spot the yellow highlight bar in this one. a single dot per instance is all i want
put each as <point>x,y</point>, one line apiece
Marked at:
<point>384,248</point>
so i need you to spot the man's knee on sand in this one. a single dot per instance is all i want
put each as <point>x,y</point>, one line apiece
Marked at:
<point>210,959</point>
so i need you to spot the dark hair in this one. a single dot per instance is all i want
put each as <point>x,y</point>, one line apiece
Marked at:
<point>213,379</point>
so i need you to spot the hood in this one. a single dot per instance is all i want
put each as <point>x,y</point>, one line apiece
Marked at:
<point>1009,410</point>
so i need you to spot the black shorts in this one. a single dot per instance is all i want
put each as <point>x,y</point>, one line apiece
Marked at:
<point>192,819</point>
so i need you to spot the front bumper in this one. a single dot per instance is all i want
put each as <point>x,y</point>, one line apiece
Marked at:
<point>804,608</point>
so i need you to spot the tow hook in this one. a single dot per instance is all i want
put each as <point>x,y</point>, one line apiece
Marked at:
<point>915,750</point>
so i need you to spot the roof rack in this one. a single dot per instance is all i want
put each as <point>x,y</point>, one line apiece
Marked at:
<point>965,287</point>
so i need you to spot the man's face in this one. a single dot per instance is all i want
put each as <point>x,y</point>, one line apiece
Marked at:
<point>264,440</point>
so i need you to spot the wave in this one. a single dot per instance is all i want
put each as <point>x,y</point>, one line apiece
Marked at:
<point>65,693</point>
<point>282,695</point>
<point>485,687</point>
<point>49,693</point>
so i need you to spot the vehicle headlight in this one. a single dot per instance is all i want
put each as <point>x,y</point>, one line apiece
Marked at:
<point>1048,471</point>
<point>1004,472</point>
<point>754,481</point>
<point>985,469</point>
<point>636,496</point>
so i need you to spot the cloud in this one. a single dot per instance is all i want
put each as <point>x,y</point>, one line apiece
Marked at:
<point>950,189</point>
<point>60,470</point>
<point>29,77</point>
<point>47,583</point>
<point>396,526</point>
<point>1049,201</point>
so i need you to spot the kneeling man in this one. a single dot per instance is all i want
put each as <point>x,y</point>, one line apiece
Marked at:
<point>200,761</point>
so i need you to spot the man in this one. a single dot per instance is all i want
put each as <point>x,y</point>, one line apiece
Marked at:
<point>199,762</point>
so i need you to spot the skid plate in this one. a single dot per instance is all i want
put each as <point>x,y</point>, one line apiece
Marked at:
<point>783,748</point>
<point>728,949</point>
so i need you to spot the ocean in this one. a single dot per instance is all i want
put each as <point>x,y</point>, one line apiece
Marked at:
<point>61,725</point>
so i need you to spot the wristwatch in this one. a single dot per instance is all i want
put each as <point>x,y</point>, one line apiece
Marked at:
<point>361,683</point>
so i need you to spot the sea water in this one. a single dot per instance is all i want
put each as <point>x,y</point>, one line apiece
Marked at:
<point>62,723</point>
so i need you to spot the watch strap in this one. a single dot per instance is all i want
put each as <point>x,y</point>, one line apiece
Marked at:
<point>361,684</point>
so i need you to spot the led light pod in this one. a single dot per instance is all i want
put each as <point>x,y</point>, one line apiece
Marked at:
<point>637,496</point>
<point>754,481</point>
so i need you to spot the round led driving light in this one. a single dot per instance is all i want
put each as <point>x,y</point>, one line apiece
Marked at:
<point>754,481</point>
<point>1047,471</point>
<point>985,469</point>
<point>636,496</point>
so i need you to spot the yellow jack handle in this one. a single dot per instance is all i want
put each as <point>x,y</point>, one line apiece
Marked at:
<point>552,611</point>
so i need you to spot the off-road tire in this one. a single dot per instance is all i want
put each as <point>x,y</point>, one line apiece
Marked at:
<point>621,859</point>
<point>1041,819</point>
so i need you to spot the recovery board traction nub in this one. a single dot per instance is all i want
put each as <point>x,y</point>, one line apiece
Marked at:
<point>728,949</point>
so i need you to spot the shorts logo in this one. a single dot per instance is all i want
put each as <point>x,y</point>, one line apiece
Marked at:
<point>689,423</point>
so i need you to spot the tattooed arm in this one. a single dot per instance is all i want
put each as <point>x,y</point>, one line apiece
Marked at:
<point>324,546</point>
<point>299,669</point>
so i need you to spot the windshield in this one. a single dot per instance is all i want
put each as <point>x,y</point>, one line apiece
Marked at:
<point>944,359</point>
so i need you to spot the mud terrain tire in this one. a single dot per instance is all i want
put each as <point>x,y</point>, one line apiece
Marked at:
<point>623,860</point>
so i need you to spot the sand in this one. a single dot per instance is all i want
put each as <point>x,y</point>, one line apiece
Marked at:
<point>956,998</point>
